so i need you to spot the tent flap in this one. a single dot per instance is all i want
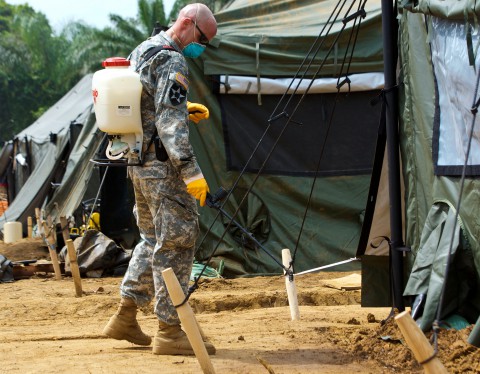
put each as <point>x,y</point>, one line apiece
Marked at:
<point>440,236</point>
<point>454,10</point>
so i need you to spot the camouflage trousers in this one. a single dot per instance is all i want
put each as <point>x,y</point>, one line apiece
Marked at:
<point>167,218</point>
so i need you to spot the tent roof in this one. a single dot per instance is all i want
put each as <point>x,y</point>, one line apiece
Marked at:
<point>275,18</point>
<point>273,37</point>
<point>74,106</point>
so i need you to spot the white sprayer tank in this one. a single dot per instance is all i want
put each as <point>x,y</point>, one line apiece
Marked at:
<point>116,94</point>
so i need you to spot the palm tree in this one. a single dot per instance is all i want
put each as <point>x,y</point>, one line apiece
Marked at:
<point>90,46</point>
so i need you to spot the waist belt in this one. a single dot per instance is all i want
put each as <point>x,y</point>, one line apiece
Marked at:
<point>155,145</point>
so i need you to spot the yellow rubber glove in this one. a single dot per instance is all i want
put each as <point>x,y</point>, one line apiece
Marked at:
<point>197,112</point>
<point>198,189</point>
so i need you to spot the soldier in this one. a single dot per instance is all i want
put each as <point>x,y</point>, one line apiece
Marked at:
<point>167,183</point>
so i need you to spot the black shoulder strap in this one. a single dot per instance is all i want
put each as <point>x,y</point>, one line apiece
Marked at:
<point>149,53</point>
<point>154,50</point>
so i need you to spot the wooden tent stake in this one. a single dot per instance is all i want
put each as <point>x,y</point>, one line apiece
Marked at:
<point>29,227</point>
<point>188,320</point>
<point>64,227</point>
<point>72,255</point>
<point>419,344</point>
<point>291,288</point>
<point>51,244</point>
<point>39,220</point>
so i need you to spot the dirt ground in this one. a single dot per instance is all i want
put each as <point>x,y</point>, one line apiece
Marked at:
<point>44,328</point>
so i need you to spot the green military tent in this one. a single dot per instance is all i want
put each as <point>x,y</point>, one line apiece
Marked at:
<point>264,51</point>
<point>261,43</point>
<point>438,60</point>
<point>47,166</point>
<point>258,50</point>
<point>51,156</point>
<point>256,61</point>
<point>325,156</point>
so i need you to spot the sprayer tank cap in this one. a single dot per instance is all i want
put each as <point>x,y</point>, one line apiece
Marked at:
<point>115,61</point>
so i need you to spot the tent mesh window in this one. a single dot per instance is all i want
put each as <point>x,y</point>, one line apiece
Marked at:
<point>346,146</point>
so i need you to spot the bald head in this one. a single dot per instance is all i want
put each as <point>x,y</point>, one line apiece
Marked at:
<point>193,21</point>
<point>197,11</point>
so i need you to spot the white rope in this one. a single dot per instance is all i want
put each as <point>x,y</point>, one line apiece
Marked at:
<point>328,266</point>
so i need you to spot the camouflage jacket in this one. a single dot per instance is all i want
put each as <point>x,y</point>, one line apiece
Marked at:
<point>164,101</point>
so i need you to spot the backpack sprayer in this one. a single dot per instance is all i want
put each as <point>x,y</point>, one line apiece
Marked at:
<point>116,94</point>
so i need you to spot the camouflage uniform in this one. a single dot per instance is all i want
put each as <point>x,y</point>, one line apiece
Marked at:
<point>166,214</point>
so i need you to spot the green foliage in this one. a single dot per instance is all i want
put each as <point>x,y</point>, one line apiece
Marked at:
<point>150,12</point>
<point>29,70</point>
<point>93,46</point>
<point>6,13</point>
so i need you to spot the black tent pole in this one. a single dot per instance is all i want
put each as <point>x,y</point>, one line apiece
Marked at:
<point>389,29</point>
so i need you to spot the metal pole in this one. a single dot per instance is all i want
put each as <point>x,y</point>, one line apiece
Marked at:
<point>389,29</point>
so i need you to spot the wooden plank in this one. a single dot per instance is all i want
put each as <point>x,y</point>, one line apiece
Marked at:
<point>26,271</point>
<point>348,283</point>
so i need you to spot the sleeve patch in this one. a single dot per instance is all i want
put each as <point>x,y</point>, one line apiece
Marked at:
<point>177,94</point>
<point>180,78</point>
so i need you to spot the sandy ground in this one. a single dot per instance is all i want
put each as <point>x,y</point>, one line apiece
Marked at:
<point>44,328</point>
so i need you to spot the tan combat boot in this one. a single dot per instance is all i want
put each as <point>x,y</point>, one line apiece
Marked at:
<point>123,324</point>
<point>171,340</point>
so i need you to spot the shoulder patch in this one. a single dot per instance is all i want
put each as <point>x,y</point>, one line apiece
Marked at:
<point>177,94</point>
<point>180,78</point>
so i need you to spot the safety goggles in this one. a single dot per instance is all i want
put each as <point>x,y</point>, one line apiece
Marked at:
<point>203,39</point>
